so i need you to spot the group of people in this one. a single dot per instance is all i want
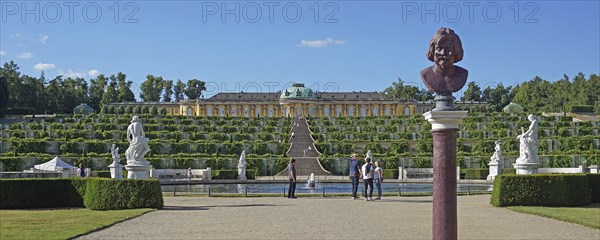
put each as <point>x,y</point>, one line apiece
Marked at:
<point>370,175</point>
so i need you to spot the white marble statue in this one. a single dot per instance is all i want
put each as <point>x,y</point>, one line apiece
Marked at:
<point>242,166</point>
<point>496,163</point>
<point>369,155</point>
<point>528,143</point>
<point>115,154</point>
<point>497,156</point>
<point>138,143</point>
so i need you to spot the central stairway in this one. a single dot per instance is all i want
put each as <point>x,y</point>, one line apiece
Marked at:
<point>305,163</point>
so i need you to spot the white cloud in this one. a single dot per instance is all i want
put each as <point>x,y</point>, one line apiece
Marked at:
<point>2,53</point>
<point>43,38</point>
<point>93,73</point>
<point>44,66</point>
<point>25,55</point>
<point>320,43</point>
<point>71,74</point>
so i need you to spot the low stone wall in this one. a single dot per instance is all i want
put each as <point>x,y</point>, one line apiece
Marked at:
<point>30,175</point>
<point>419,173</point>
<point>560,170</point>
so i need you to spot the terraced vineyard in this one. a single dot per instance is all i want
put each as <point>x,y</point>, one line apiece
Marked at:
<point>181,142</point>
<point>176,142</point>
<point>406,141</point>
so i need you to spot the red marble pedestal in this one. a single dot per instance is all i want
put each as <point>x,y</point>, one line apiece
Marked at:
<point>444,128</point>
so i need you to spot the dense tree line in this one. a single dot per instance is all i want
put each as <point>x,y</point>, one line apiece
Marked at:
<point>536,95</point>
<point>23,94</point>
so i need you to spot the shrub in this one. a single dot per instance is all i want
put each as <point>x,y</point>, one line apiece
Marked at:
<point>476,173</point>
<point>509,171</point>
<point>224,174</point>
<point>595,186</point>
<point>101,174</point>
<point>41,193</point>
<point>390,174</point>
<point>551,190</point>
<point>108,194</point>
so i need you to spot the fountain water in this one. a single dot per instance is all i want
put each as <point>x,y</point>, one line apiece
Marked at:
<point>311,183</point>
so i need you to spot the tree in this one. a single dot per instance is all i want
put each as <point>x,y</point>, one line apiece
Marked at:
<point>405,92</point>
<point>55,103</point>
<point>111,93</point>
<point>194,88</point>
<point>96,91</point>
<point>179,91</point>
<point>3,96</point>
<point>124,90</point>
<point>168,85</point>
<point>473,93</point>
<point>151,88</point>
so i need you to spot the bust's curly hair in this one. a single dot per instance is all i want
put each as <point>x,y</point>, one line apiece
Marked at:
<point>450,35</point>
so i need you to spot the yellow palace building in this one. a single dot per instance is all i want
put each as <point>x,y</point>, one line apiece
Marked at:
<point>297,100</point>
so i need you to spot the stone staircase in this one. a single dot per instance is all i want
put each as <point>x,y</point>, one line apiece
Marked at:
<point>305,163</point>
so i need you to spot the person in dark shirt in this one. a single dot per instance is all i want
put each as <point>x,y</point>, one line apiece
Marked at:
<point>81,171</point>
<point>292,178</point>
<point>355,173</point>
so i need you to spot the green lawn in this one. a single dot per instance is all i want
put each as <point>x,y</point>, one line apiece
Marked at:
<point>587,216</point>
<point>58,224</point>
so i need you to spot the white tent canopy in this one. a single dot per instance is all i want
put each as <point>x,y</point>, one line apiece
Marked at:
<point>54,165</point>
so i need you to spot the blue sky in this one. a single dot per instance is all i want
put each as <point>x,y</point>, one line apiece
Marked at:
<point>346,46</point>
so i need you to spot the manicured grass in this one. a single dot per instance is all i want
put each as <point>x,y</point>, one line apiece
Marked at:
<point>59,224</point>
<point>587,216</point>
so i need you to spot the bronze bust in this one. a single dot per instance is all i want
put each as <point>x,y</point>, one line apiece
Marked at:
<point>443,78</point>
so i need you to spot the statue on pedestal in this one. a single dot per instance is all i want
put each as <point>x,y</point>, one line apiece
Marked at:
<point>114,150</point>
<point>496,163</point>
<point>242,166</point>
<point>116,170</point>
<point>138,143</point>
<point>497,156</point>
<point>443,78</point>
<point>528,143</point>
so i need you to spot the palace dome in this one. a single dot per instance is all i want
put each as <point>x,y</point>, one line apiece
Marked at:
<point>298,91</point>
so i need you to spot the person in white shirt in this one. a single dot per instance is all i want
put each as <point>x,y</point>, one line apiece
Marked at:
<point>378,178</point>
<point>367,172</point>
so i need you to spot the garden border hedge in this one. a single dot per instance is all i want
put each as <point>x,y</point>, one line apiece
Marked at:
<point>551,190</point>
<point>93,193</point>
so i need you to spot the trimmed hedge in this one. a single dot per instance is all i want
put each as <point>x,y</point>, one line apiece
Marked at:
<point>93,193</point>
<point>551,190</point>
<point>41,193</point>
<point>390,173</point>
<point>232,174</point>
<point>476,173</point>
<point>109,194</point>
<point>595,186</point>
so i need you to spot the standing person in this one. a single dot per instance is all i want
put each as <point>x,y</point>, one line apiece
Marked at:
<point>367,170</point>
<point>378,179</point>
<point>354,175</point>
<point>304,153</point>
<point>292,178</point>
<point>189,173</point>
<point>81,170</point>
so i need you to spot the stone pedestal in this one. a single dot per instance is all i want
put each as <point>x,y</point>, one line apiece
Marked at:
<point>444,126</point>
<point>526,168</point>
<point>135,171</point>
<point>495,169</point>
<point>116,170</point>
<point>242,173</point>
<point>206,175</point>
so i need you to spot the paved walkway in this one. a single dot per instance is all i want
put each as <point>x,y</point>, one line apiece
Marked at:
<point>333,218</point>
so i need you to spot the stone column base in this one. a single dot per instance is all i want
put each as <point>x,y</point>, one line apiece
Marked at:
<point>526,168</point>
<point>138,171</point>
<point>495,170</point>
<point>116,171</point>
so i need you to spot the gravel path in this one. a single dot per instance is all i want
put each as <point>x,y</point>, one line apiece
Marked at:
<point>333,218</point>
